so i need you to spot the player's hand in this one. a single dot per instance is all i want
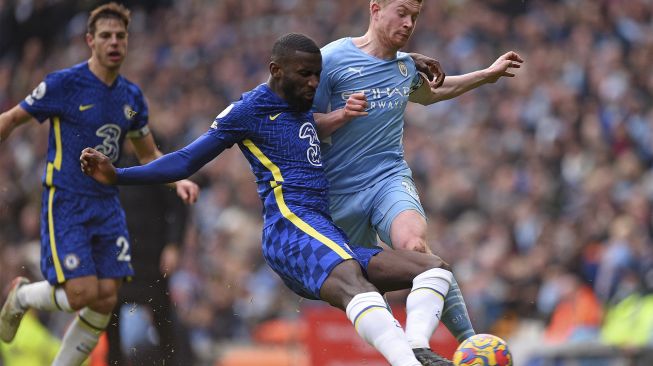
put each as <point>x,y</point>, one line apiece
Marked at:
<point>187,191</point>
<point>97,166</point>
<point>169,260</point>
<point>504,66</point>
<point>429,67</point>
<point>355,106</point>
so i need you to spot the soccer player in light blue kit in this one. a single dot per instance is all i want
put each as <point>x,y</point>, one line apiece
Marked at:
<point>365,86</point>
<point>274,128</point>
<point>85,252</point>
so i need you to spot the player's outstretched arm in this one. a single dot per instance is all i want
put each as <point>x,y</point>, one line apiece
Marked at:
<point>11,119</point>
<point>97,166</point>
<point>454,86</point>
<point>327,123</point>
<point>147,151</point>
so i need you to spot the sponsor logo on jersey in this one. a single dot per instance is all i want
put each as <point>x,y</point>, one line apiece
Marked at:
<point>85,107</point>
<point>313,154</point>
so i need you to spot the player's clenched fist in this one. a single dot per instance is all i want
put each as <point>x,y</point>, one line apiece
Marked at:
<point>97,166</point>
<point>355,106</point>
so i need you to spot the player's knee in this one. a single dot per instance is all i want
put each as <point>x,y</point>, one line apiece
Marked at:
<point>345,282</point>
<point>414,243</point>
<point>80,297</point>
<point>105,304</point>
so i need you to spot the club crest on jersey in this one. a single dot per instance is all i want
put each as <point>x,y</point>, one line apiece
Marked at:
<point>403,69</point>
<point>71,262</point>
<point>129,112</point>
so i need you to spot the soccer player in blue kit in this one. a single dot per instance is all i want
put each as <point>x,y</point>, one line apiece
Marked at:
<point>365,86</point>
<point>274,128</point>
<point>85,253</point>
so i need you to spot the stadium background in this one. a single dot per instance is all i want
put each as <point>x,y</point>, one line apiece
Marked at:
<point>538,188</point>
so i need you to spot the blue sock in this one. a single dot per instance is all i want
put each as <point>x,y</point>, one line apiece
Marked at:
<point>454,314</point>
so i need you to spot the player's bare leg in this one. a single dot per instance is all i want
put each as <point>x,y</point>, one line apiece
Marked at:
<point>95,299</point>
<point>408,231</point>
<point>429,278</point>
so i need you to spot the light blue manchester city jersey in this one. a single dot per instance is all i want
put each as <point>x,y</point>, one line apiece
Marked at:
<point>367,149</point>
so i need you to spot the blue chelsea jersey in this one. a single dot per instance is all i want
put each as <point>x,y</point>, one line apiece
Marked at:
<point>282,148</point>
<point>85,112</point>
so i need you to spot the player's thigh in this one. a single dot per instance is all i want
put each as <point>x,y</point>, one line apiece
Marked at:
<point>304,250</point>
<point>344,282</point>
<point>352,213</point>
<point>392,270</point>
<point>81,291</point>
<point>107,295</point>
<point>398,215</point>
<point>66,251</point>
<point>110,239</point>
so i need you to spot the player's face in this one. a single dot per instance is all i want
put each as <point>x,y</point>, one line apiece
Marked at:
<point>109,43</point>
<point>395,21</point>
<point>301,75</point>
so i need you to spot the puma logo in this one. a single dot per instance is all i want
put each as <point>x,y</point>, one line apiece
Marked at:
<point>355,70</point>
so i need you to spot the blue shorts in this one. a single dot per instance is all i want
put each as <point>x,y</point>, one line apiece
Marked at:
<point>304,248</point>
<point>83,236</point>
<point>365,214</point>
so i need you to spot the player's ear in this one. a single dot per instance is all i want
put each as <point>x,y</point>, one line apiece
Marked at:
<point>374,8</point>
<point>89,39</point>
<point>275,70</point>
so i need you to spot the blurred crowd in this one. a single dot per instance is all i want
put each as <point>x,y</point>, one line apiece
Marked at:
<point>538,189</point>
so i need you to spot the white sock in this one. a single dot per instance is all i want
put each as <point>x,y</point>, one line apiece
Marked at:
<point>81,337</point>
<point>424,305</point>
<point>375,324</point>
<point>43,296</point>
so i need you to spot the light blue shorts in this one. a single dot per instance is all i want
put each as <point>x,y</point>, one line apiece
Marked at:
<point>365,214</point>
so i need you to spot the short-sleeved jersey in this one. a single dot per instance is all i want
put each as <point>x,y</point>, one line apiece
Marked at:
<point>282,148</point>
<point>85,112</point>
<point>367,149</point>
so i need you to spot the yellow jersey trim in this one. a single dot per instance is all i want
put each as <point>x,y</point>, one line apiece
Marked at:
<point>53,241</point>
<point>273,168</point>
<point>285,211</point>
<point>56,164</point>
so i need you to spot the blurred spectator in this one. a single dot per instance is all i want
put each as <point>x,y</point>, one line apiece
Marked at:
<point>156,220</point>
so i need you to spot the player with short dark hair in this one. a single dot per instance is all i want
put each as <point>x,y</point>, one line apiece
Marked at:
<point>274,128</point>
<point>84,240</point>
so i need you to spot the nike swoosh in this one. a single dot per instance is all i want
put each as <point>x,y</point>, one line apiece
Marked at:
<point>82,108</point>
<point>272,118</point>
